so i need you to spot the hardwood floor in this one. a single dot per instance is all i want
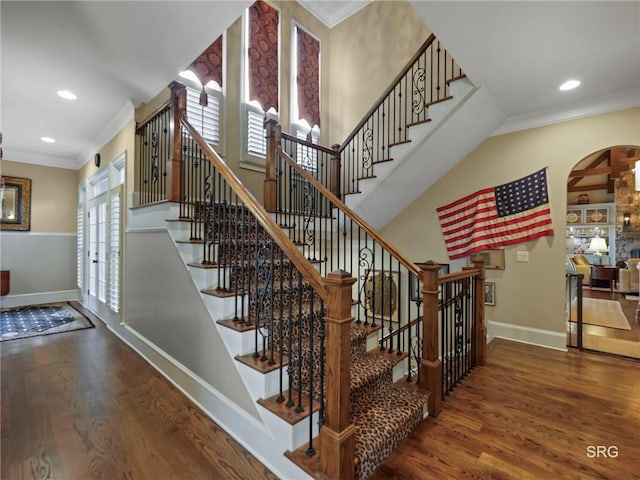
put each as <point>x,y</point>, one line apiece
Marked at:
<point>83,405</point>
<point>530,413</point>
<point>613,340</point>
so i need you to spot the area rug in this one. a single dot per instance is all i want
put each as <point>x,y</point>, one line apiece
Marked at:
<point>36,320</point>
<point>604,313</point>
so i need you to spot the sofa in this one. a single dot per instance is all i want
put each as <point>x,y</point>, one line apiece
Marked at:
<point>628,281</point>
<point>581,264</point>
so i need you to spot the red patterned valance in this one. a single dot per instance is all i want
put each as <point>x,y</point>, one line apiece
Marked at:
<point>208,66</point>
<point>308,78</point>
<point>263,55</point>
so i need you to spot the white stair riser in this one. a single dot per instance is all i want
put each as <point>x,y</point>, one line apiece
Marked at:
<point>295,435</point>
<point>263,385</point>
<point>221,308</point>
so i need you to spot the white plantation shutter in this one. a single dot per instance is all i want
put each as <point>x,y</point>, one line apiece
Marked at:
<point>307,157</point>
<point>113,299</point>
<point>206,121</point>
<point>256,133</point>
<point>80,249</point>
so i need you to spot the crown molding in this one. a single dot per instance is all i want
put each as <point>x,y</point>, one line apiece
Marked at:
<point>595,106</point>
<point>35,158</point>
<point>331,13</point>
<point>117,123</point>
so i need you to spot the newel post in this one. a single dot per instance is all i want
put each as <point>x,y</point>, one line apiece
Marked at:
<point>274,138</point>
<point>336,173</point>
<point>481,328</point>
<point>430,364</point>
<point>174,169</point>
<point>337,435</point>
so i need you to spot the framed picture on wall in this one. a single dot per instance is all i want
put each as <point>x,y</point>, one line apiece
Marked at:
<point>15,193</point>
<point>416,286</point>
<point>381,295</point>
<point>489,293</point>
<point>493,258</point>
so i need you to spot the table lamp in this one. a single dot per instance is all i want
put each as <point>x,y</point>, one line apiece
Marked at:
<point>598,246</point>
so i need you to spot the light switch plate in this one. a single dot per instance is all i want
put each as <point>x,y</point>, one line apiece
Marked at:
<point>522,256</point>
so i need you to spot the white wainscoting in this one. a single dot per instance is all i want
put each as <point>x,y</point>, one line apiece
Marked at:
<point>42,266</point>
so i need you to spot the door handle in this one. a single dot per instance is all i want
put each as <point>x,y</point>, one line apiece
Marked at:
<point>94,261</point>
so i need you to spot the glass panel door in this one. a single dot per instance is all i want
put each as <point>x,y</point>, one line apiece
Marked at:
<point>98,244</point>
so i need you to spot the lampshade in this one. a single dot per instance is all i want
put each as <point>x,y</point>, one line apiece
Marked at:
<point>597,245</point>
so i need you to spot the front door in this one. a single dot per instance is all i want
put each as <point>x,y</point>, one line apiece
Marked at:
<point>97,253</point>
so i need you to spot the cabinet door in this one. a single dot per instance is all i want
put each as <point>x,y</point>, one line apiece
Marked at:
<point>596,216</point>
<point>574,216</point>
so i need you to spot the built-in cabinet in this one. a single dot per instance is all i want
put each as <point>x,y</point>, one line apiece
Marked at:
<point>585,222</point>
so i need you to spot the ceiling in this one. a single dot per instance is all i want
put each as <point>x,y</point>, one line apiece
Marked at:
<point>114,55</point>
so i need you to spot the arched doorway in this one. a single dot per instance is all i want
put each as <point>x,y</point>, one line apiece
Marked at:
<point>603,241</point>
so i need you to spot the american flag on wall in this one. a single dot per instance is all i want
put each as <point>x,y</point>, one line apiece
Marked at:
<point>511,213</point>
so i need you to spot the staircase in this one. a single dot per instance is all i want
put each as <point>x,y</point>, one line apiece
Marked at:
<point>341,366</point>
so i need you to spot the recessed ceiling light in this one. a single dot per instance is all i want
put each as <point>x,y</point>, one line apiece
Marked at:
<point>67,95</point>
<point>570,85</point>
<point>48,139</point>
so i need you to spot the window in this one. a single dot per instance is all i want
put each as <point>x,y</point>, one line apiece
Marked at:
<point>80,241</point>
<point>307,157</point>
<point>261,74</point>
<point>206,70</point>
<point>206,120</point>
<point>305,98</point>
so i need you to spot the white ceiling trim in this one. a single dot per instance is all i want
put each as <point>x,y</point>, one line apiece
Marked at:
<point>117,123</point>
<point>607,103</point>
<point>331,12</point>
<point>11,155</point>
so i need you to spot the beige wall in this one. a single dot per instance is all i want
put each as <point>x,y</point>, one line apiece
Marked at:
<point>54,195</point>
<point>123,141</point>
<point>368,50</point>
<point>527,294</point>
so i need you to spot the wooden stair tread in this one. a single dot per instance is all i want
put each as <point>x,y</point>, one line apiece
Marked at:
<point>263,366</point>
<point>220,293</point>
<point>195,242</point>
<point>458,77</point>
<point>382,161</point>
<point>308,463</point>
<point>206,266</point>
<point>238,325</point>
<point>183,220</point>
<point>401,142</point>
<point>393,356</point>
<point>421,122</point>
<point>443,99</point>
<point>288,414</point>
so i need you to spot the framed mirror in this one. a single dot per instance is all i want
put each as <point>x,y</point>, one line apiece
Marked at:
<point>15,197</point>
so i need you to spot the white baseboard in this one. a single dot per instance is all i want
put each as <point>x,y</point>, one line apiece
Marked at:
<point>529,335</point>
<point>244,428</point>
<point>24,299</point>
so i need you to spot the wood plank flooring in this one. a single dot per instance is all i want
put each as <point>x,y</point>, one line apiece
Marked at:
<point>530,413</point>
<point>83,405</point>
<point>612,340</point>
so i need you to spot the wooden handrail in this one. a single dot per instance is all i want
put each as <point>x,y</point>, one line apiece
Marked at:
<point>160,109</point>
<point>389,89</point>
<point>306,143</point>
<point>306,269</point>
<point>352,215</point>
<point>450,277</point>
